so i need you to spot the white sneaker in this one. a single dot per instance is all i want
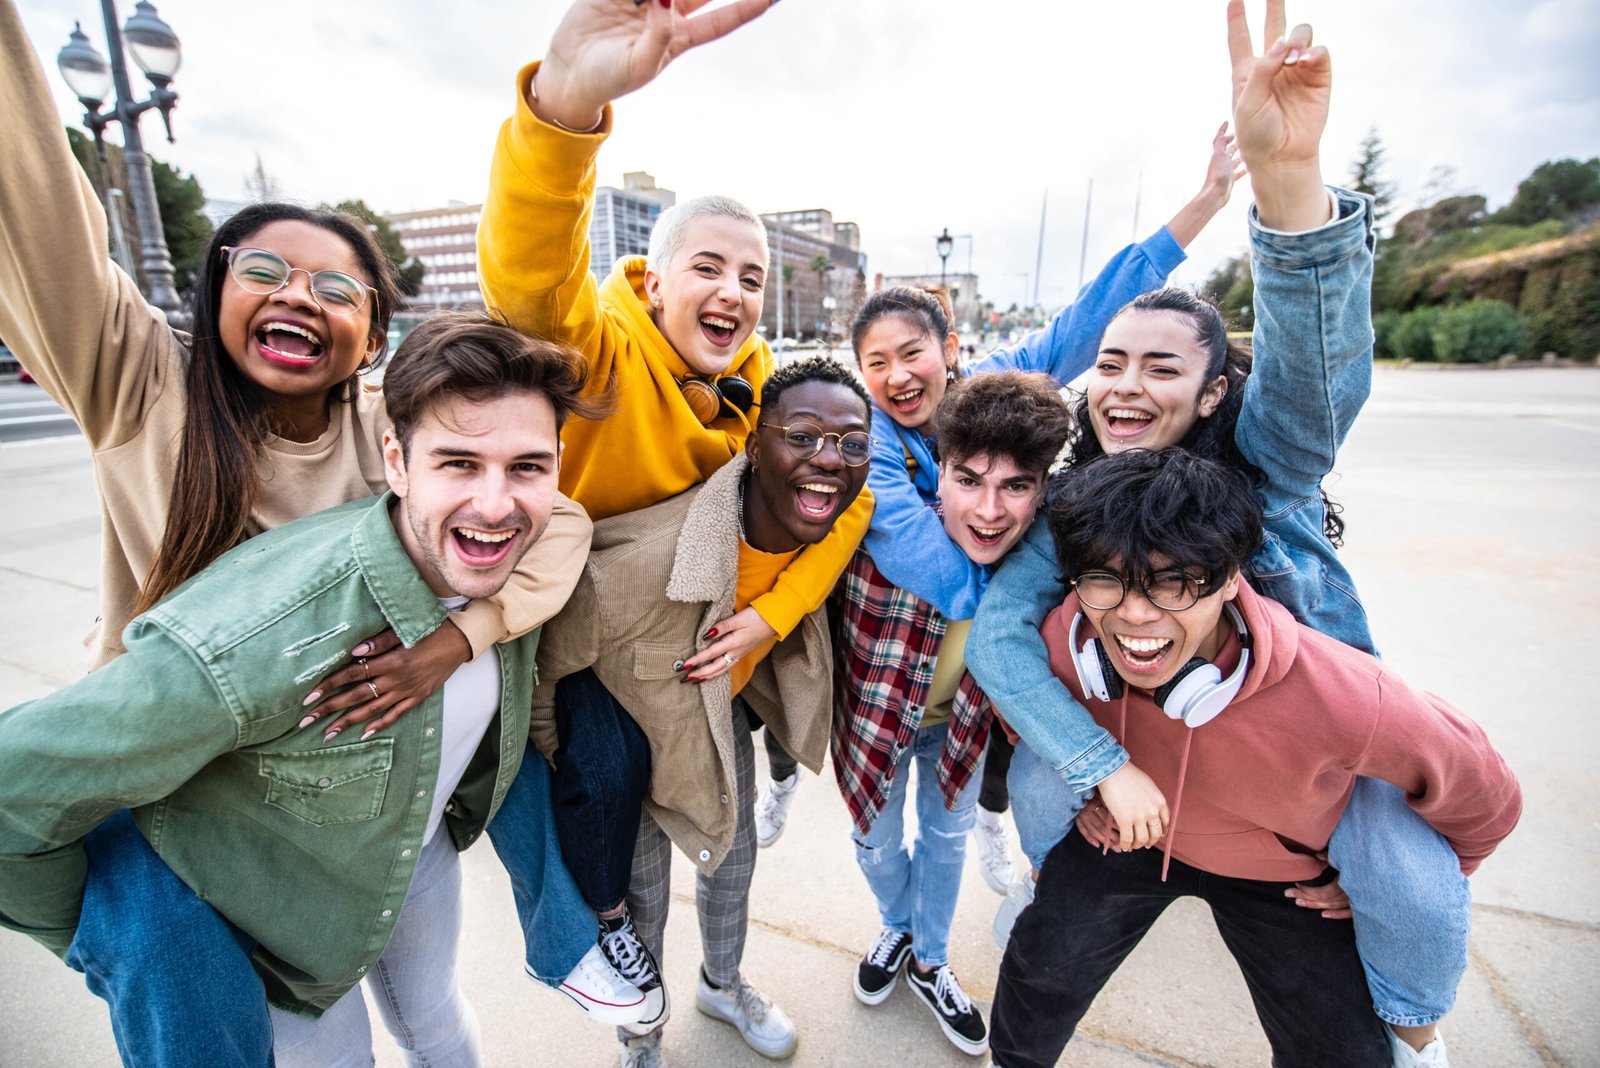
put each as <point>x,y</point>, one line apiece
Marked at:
<point>1432,1055</point>
<point>1005,917</point>
<point>772,808</point>
<point>601,991</point>
<point>642,1052</point>
<point>626,953</point>
<point>994,850</point>
<point>764,1027</point>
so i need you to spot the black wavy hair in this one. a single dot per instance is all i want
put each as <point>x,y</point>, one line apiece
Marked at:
<point>1200,515</point>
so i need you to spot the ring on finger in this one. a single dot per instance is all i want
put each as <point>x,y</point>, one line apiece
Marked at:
<point>374,688</point>
<point>732,660</point>
<point>365,669</point>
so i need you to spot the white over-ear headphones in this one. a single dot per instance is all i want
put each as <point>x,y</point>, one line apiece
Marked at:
<point>1197,694</point>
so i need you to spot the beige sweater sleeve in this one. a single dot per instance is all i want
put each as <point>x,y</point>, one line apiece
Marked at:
<point>77,323</point>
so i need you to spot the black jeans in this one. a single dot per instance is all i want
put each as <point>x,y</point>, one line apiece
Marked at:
<point>993,796</point>
<point>781,764</point>
<point>1088,913</point>
<point>601,777</point>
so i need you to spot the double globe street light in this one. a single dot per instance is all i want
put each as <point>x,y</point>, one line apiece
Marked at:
<point>156,50</point>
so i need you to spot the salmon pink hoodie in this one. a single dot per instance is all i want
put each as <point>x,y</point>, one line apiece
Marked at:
<point>1257,790</point>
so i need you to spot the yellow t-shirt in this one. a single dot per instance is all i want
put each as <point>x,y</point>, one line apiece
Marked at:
<point>757,573</point>
<point>947,673</point>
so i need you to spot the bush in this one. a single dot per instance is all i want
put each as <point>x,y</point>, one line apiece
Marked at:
<point>1413,335</point>
<point>1384,327</point>
<point>1479,331</point>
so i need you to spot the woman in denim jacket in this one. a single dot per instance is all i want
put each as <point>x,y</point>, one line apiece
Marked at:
<point>1167,375</point>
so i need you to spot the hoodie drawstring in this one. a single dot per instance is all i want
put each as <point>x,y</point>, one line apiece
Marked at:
<point>1177,802</point>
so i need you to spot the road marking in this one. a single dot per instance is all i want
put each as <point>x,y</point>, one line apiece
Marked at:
<point>6,406</point>
<point>59,417</point>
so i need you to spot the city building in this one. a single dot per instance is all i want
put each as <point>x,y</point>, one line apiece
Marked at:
<point>623,218</point>
<point>819,274</point>
<point>446,241</point>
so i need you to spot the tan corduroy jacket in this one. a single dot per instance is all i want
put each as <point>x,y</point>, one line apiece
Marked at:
<point>657,579</point>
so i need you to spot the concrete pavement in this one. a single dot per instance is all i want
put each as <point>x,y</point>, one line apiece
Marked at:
<point>1473,502</point>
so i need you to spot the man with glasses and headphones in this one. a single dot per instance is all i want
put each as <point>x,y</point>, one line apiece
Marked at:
<point>666,763</point>
<point>1256,727</point>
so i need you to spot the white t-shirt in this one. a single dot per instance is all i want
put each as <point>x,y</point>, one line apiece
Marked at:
<point>471,699</point>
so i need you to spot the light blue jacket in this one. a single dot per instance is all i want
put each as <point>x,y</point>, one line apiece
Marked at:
<point>1311,375</point>
<point>907,541</point>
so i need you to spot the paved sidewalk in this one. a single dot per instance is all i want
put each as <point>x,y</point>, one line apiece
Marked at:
<point>1473,503</point>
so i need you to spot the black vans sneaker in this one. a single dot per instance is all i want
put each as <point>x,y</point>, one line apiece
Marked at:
<point>625,951</point>
<point>879,970</point>
<point>958,1018</point>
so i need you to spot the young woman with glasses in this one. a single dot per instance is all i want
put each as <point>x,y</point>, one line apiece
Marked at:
<point>201,439</point>
<point>1166,374</point>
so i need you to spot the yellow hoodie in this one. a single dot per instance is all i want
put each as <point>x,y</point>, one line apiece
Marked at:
<point>533,263</point>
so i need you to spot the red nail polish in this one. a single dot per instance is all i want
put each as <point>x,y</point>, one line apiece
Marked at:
<point>666,3</point>
<point>712,633</point>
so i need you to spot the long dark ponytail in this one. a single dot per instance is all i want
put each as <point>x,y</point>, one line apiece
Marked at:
<point>227,421</point>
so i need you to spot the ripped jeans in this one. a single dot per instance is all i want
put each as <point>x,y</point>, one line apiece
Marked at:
<point>917,888</point>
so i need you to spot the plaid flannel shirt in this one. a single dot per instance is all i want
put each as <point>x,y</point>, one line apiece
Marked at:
<point>886,648</point>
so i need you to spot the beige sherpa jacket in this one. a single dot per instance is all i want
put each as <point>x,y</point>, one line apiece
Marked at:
<point>656,580</point>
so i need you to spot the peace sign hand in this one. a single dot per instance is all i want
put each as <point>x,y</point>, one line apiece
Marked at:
<point>1280,108</point>
<point>604,49</point>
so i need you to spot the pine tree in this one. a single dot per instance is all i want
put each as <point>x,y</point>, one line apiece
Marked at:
<point>1365,176</point>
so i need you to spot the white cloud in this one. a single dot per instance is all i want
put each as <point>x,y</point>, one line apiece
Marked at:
<point>904,115</point>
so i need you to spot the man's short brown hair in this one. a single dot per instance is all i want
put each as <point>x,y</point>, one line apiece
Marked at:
<point>1013,414</point>
<point>462,354</point>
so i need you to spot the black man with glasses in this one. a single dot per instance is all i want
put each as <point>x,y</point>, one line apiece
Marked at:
<point>1255,726</point>
<point>643,761</point>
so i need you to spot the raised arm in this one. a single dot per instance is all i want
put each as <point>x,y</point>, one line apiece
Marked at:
<point>77,323</point>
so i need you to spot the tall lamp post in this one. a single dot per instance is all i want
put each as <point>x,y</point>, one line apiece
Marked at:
<point>156,50</point>
<point>944,243</point>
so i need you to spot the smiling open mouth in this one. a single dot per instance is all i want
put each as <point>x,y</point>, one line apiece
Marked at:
<point>1143,654</point>
<point>719,328</point>
<point>482,548</point>
<point>290,342</point>
<point>988,536</point>
<point>816,500</point>
<point>907,401</point>
<point>1126,422</point>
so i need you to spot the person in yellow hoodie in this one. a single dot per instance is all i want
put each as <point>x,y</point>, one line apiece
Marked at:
<point>671,336</point>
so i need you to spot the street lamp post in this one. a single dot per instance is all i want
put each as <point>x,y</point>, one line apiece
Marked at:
<point>943,243</point>
<point>156,50</point>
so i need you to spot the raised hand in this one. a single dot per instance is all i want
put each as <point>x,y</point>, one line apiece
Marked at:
<point>604,49</point>
<point>1280,108</point>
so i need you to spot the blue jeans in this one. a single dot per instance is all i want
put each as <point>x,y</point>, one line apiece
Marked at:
<point>558,928</point>
<point>174,973</point>
<point>1412,906</point>
<point>1042,803</point>
<point>917,890</point>
<point>413,984</point>
<point>601,778</point>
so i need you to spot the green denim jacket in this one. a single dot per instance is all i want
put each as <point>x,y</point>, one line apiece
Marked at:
<point>308,846</point>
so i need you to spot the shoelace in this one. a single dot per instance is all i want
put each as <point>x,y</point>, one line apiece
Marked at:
<point>624,947</point>
<point>752,1002</point>
<point>883,949</point>
<point>945,988</point>
<point>995,837</point>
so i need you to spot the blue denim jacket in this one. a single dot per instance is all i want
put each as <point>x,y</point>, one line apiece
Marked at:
<point>196,729</point>
<point>907,541</point>
<point>1311,375</point>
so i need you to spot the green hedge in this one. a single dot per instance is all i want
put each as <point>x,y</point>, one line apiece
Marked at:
<point>1479,331</point>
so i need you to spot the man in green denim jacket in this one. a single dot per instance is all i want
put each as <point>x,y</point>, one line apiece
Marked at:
<point>306,845</point>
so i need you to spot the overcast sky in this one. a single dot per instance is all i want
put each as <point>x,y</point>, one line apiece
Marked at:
<point>904,116</point>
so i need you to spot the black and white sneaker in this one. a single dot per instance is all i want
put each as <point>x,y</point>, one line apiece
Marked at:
<point>958,1018</point>
<point>627,953</point>
<point>880,969</point>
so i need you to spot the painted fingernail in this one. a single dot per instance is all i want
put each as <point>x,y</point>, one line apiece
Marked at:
<point>308,721</point>
<point>712,633</point>
<point>666,3</point>
<point>368,733</point>
<point>362,650</point>
<point>1292,57</point>
<point>311,698</point>
<point>333,732</point>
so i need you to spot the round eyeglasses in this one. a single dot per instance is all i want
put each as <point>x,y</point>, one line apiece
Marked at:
<point>258,271</point>
<point>1170,591</point>
<point>805,441</point>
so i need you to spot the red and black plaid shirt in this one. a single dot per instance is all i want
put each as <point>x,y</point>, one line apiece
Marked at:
<point>888,642</point>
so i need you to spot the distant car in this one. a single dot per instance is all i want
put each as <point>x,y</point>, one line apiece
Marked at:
<point>9,365</point>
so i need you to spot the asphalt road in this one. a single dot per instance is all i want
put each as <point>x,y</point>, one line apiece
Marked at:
<point>26,414</point>
<point>1473,506</point>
